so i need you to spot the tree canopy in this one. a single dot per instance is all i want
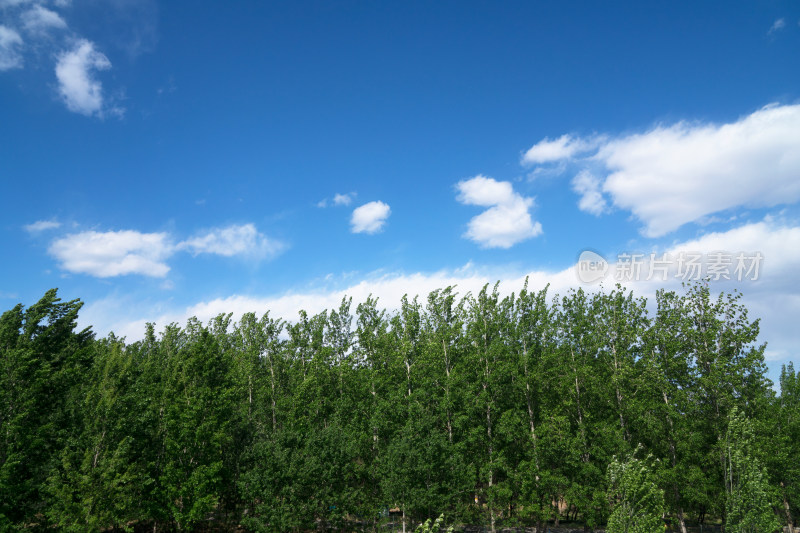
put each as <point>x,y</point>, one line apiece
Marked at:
<point>523,409</point>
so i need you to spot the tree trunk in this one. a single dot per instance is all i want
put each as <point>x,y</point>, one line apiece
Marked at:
<point>529,401</point>
<point>787,511</point>
<point>625,433</point>
<point>675,489</point>
<point>272,386</point>
<point>491,471</point>
<point>408,376</point>
<point>681,518</point>
<point>555,501</point>
<point>447,394</point>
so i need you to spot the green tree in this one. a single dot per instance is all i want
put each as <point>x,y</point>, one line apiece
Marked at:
<point>784,435</point>
<point>637,501</point>
<point>580,384</point>
<point>749,498</point>
<point>665,387</point>
<point>103,480</point>
<point>43,367</point>
<point>197,420</point>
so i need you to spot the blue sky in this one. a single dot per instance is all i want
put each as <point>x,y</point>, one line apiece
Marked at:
<point>161,160</point>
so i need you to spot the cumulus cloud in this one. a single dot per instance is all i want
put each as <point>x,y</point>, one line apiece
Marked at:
<point>41,225</point>
<point>244,240</point>
<point>588,186</point>
<point>672,175</point>
<point>113,253</point>
<point>39,19</point>
<point>370,217</point>
<point>10,44</point>
<point>75,70</point>
<point>485,192</point>
<point>506,222</point>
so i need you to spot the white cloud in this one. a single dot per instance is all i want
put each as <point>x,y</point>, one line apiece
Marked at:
<point>588,186</point>
<point>117,253</point>
<point>485,192</point>
<point>41,225</point>
<point>779,24</point>
<point>244,240</point>
<point>565,147</point>
<point>77,85</point>
<point>506,222</point>
<point>370,217</point>
<point>777,243</point>
<point>77,61</point>
<point>339,199</point>
<point>113,253</point>
<point>10,43</point>
<point>39,19</point>
<point>343,199</point>
<point>503,226</point>
<point>775,297</point>
<point>389,288</point>
<point>671,175</point>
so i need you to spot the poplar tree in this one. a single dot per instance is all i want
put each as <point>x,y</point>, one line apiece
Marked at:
<point>748,495</point>
<point>637,501</point>
<point>43,365</point>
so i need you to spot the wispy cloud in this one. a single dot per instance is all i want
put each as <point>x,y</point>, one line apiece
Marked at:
<point>10,44</point>
<point>41,225</point>
<point>370,217</point>
<point>506,222</point>
<point>343,199</point>
<point>14,3</point>
<point>339,199</point>
<point>242,240</point>
<point>118,253</point>
<point>778,25</point>
<point>39,19</point>
<point>77,84</point>
<point>672,175</point>
<point>566,146</point>
<point>588,186</point>
<point>78,61</point>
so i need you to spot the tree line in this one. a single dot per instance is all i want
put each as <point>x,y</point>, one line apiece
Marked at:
<point>499,410</point>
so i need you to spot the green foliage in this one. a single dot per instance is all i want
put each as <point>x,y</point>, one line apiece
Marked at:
<point>637,501</point>
<point>749,496</point>
<point>783,457</point>
<point>435,527</point>
<point>42,373</point>
<point>496,409</point>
